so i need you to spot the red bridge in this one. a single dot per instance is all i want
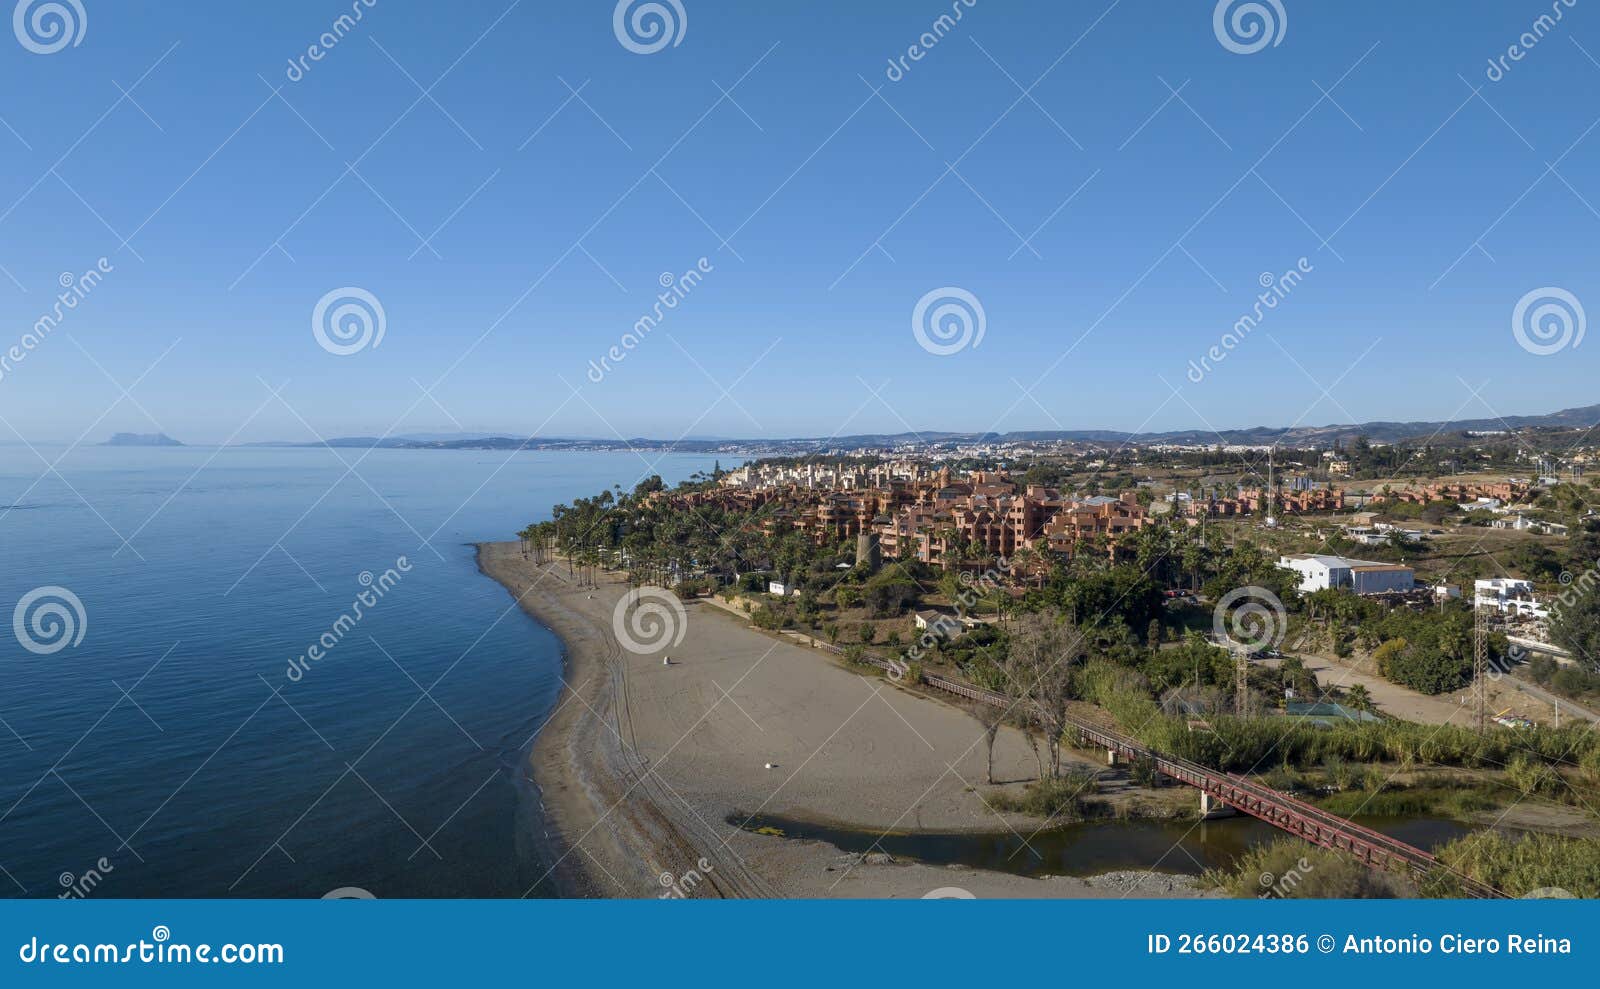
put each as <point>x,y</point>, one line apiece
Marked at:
<point>1279,809</point>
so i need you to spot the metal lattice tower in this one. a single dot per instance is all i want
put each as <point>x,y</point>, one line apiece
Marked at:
<point>1480,669</point>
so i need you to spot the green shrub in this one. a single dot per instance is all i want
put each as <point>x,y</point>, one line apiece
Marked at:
<point>1530,776</point>
<point>1062,798</point>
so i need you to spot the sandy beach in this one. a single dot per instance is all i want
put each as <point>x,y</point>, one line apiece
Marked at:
<point>642,766</point>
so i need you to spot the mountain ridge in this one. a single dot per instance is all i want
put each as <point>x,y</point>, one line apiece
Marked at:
<point>1381,431</point>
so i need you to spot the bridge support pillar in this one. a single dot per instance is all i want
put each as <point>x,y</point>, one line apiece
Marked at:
<point>1211,807</point>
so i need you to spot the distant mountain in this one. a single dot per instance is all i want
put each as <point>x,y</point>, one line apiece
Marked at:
<point>141,439</point>
<point>1293,436</point>
<point>438,437</point>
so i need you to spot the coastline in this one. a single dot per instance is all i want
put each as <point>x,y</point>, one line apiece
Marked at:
<point>644,770</point>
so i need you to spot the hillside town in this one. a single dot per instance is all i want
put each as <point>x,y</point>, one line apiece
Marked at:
<point>1036,526</point>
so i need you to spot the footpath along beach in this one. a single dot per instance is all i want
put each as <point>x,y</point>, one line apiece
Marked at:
<point>642,766</point>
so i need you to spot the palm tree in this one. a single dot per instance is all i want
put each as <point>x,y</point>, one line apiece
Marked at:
<point>1358,697</point>
<point>1024,562</point>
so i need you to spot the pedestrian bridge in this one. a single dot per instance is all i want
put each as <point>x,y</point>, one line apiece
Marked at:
<point>1249,797</point>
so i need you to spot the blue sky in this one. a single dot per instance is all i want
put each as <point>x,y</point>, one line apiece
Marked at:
<point>1111,231</point>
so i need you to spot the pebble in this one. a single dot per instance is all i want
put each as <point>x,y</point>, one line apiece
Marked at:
<point>1149,882</point>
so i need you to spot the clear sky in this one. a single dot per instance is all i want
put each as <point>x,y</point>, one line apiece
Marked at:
<point>510,181</point>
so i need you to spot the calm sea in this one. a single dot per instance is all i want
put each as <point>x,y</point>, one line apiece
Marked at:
<point>168,752</point>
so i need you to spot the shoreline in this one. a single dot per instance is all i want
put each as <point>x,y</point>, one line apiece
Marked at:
<point>605,825</point>
<point>640,767</point>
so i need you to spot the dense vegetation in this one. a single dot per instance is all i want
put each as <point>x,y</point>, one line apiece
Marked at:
<point>1290,869</point>
<point>1519,865</point>
<point>1255,744</point>
<point>1575,617</point>
<point>1430,652</point>
<point>1537,864</point>
<point>1574,682</point>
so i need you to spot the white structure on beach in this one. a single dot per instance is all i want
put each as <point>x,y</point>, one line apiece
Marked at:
<point>1318,572</point>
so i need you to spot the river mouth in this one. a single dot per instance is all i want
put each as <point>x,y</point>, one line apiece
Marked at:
<point>1088,848</point>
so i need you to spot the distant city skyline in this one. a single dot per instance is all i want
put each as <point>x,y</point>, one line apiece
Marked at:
<point>505,218</point>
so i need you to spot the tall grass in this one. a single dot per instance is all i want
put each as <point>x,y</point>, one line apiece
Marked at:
<point>1519,865</point>
<point>1448,801</point>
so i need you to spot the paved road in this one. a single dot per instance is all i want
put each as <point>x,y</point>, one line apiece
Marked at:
<point>1553,702</point>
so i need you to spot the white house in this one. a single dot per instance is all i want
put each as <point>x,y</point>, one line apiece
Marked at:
<point>779,588</point>
<point>1365,535</point>
<point>1508,596</point>
<point>1380,534</point>
<point>1524,524</point>
<point>1318,572</point>
<point>944,626</point>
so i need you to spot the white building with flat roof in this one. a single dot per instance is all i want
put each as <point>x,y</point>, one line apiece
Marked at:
<point>1508,596</point>
<point>1318,572</point>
